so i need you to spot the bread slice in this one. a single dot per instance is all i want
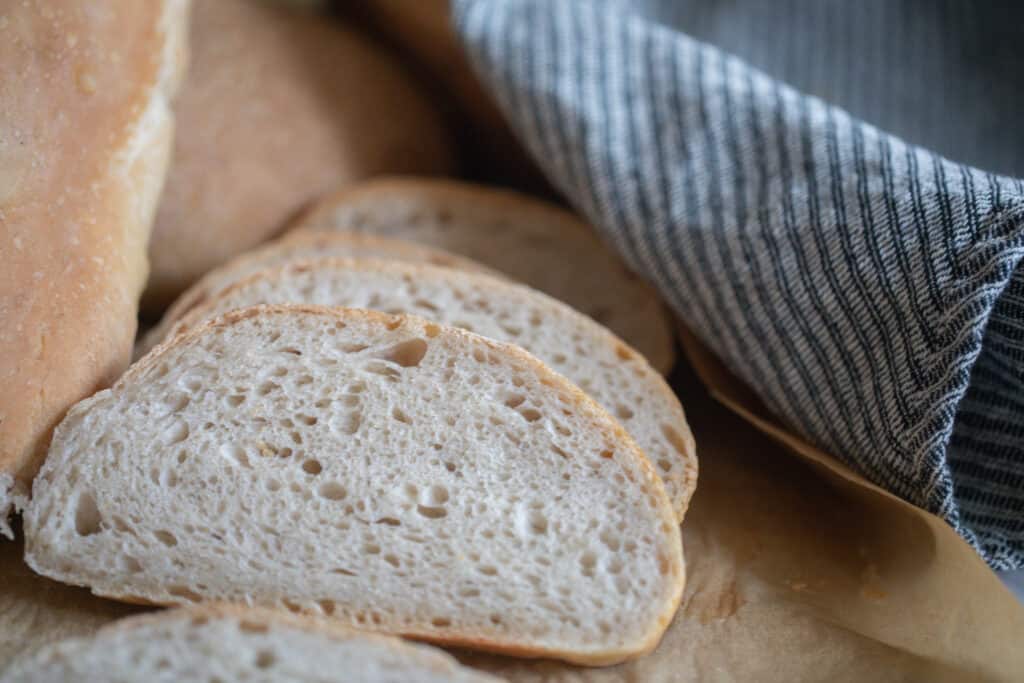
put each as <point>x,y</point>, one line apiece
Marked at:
<point>228,643</point>
<point>529,240</point>
<point>268,121</point>
<point>300,245</point>
<point>85,135</point>
<point>588,354</point>
<point>390,472</point>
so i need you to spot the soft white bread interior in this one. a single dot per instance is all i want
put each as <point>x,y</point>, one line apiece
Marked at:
<point>530,240</point>
<point>228,643</point>
<point>587,353</point>
<point>389,472</point>
<point>85,136</point>
<point>299,245</point>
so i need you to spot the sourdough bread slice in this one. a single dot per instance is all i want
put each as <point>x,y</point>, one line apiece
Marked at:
<point>300,245</point>
<point>569,342</point>
<point>529,240</point>
<point>393,473</point>
<point>227,643</point>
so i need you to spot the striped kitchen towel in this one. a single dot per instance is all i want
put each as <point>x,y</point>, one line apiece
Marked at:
<point>781,172</point>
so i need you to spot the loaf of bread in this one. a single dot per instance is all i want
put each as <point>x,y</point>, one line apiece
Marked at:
<point>528,239</point>
<point>85,134</point>
<point>296,246</point>
<point>227,643</point>
<point>600,363</point>
<point>279,107</point>
<point>392,473</point>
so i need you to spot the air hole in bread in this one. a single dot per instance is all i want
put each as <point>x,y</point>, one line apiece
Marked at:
<point>235,400</point>
<point>515,400</point>
<point>327,607</point>
<point>265,659</point>
<point>292,607</point>
<point>332,490</point>
<point>389,521</point>
<point>166,537</point>
<point>401,416</point>
<point>371,549</point>
<point>408,353</point>
<point>175,433</point>
<point>441,622</point>
<point>607,454</point>
<point>267,387</point>
<point>279,371</point>
<point>530,414</point>
<point>273,485</point>
<point>87,515</point>
<point>431,330</point>
<point>393,324</point>
<point>488,570</point>
<point>246,626</point>
<point>431,512</point>
<point>185,593</point>
<point>423,303</point>
<point>392,560</point>
<point>383,370</point>
<point>674,438</point>
<point>312,466</point>
<point>623,412</point>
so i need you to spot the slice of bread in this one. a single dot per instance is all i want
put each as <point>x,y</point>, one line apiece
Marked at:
<point>390,472</point>
<point>529,240</point>
<point>588,354</point>
<point>300,245</point>
<point>228,643</point>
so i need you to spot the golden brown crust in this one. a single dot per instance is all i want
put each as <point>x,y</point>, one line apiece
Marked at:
<point>280,106</point>
<point>212,284</point>
<point>86,129</point>
<point>578,398</point>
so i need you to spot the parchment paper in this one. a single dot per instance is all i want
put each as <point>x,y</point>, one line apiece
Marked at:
<point>798,570</point>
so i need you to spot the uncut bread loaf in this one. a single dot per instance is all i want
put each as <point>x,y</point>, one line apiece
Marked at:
<point>85,135</point>
<point>279,107</point>
<point>300,245</point>
<point>228,643</point>
<point>569,342</point>
<point>389,472</point>
<point>529,240</point>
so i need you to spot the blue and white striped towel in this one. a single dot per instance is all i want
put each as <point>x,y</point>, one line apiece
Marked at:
<point>869,289</point>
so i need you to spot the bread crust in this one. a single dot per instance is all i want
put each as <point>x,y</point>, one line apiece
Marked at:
<point>84,106</point>
<point>675,567</point>
<point>213,282</point>
<point>281,106</point>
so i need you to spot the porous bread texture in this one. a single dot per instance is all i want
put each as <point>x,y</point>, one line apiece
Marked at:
<point>86,134</point>
<point>279,107</point>
<point>298,246</point>
<point>588,354</point>
<point>386,471</point>
<point>528,239</point>
<point>229,643</point>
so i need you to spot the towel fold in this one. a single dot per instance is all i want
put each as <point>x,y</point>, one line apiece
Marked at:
<point>870,290</point>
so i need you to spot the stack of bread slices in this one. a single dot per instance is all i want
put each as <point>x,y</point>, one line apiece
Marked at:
<point>430,409</point>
